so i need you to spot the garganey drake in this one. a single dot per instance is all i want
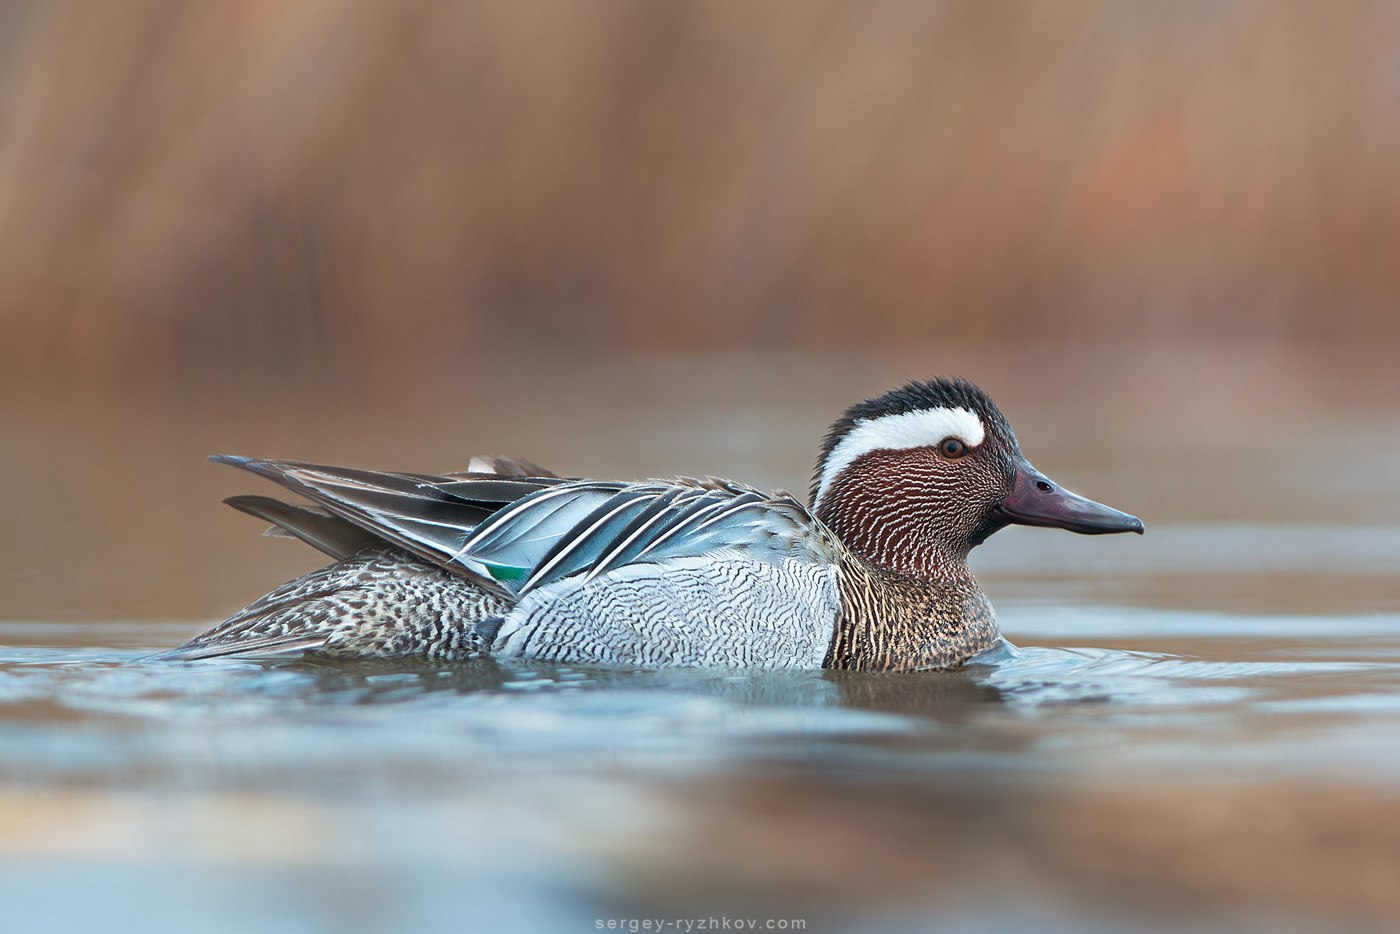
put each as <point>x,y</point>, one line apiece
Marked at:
<point>507,559</point>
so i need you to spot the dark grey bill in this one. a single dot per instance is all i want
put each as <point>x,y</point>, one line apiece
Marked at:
<point>1036,500</point>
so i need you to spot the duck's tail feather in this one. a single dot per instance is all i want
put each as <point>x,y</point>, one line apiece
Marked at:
<point>330,534</point>
<point>384,603</point>
<point>418,513</point>
<point>196,649</point>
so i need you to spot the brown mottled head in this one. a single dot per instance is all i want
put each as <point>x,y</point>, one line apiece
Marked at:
<point>915,478</point>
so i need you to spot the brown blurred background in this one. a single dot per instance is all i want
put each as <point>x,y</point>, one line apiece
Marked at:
<point>299,188</point>
<point>646,239</point>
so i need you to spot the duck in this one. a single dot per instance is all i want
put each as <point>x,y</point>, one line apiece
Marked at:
<point>509,560</point>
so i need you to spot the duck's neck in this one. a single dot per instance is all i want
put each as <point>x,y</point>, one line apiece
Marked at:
<point>888,526</point>
<point>891,621</point>
<point>909,600</point>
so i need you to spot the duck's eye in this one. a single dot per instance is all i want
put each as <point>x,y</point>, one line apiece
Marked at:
<point>952,448</point>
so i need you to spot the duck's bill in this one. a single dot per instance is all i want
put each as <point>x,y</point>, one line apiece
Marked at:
<point>1036,500</point>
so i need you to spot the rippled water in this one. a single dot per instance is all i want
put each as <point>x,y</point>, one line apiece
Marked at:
<point>217,795</point>
<point>1200,728</point>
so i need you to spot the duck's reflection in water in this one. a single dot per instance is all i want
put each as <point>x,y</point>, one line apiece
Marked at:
<point>941,695</point>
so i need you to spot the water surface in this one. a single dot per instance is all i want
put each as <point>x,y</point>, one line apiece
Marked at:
<point>1196,729</point>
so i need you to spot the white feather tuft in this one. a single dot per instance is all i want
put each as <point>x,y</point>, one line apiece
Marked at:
<point>482,465</point>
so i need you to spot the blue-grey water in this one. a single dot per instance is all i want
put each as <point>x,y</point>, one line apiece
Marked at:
<point>1198,729</point>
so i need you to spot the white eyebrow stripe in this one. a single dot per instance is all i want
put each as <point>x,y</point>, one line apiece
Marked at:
<point>900,433</point>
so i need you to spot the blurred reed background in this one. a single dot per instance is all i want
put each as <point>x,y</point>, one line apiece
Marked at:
<point>306,189</point>
<point>642,239</point>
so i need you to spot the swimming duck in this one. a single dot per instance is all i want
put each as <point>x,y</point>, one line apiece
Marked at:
<point>507,559</point>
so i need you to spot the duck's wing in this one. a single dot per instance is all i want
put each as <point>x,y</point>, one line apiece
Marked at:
<point>428,516</point>
<point>586,530</point>
<point>513,534</point>
<point>340,538</point>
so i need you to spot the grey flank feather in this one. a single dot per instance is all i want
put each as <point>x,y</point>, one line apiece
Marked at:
<point>522,533</point>
<point>697,516</point>
<point>591,537</point>
<point>632,539</point>
<point>589,529</point>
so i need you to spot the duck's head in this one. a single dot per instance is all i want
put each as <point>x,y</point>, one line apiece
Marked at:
<point>916,478</point>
